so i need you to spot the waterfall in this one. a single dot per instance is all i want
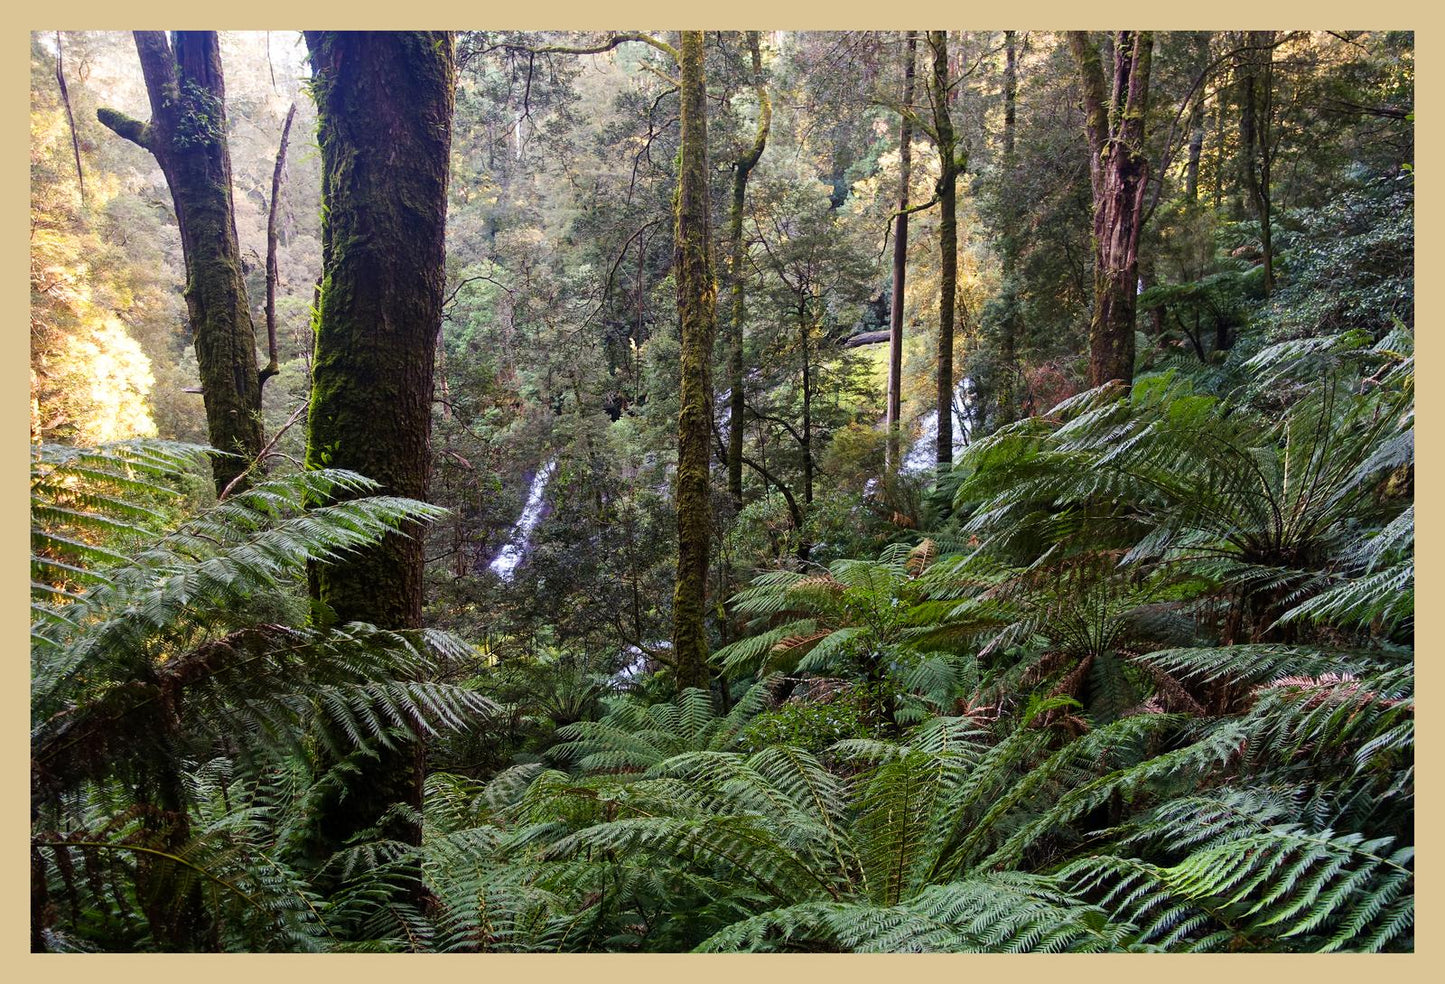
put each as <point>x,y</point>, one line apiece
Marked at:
<point>722,413</point>
<point>519,541</point>
<point>638,662</point>
<point>923,453</point>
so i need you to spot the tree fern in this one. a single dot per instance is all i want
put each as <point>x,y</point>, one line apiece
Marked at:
<point>169,653</point>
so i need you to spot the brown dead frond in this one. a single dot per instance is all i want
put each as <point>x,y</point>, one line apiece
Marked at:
<point>799,644</point>
<point>825,581</point>
<point>921,556</point>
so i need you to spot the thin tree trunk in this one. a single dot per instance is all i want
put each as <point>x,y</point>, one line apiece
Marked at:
<point>381,97</point>
<point>1196,122</point>
<point>69,116</point>
<point>744,167</point>
<point>1117,172</point>
<point>1012,324</point>
<point>441,376</point>
<point>1148,277</point>
<point>1256,117</point>
<point>697,314</point>
<point>1217,191</point>
<point>900,260</point>
<point>187,136</point>
<point>804,330</point>
<point>273,269</point>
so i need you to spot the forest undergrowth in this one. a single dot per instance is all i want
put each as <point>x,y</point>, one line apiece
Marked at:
<point>1098,638</point>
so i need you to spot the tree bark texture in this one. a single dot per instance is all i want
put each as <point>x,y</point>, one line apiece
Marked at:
<point>900,259</point>
<point>187,136</point>
<point>950,166</point>
<point>697,314</point>
<point>384,104</point>
<point>1118,171</point>
<point>743,168</point>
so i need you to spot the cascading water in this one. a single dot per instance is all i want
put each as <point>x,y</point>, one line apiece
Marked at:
<point>638,662</point>
<point>722,413</point>
<point>519,541</point>
<point>923,453</point>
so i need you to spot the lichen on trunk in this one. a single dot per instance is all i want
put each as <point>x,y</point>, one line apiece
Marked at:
<point>697,314</point>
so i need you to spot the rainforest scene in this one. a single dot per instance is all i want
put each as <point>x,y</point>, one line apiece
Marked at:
<point>722,491</point>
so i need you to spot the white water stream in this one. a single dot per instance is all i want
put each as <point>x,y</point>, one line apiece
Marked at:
<point>519,541</point>
<point>923,453</point>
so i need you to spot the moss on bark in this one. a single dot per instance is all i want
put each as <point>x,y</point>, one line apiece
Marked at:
<point>384,107</point>
<point>950,166</point>
<point>697,312</point>
<point>187,136</point>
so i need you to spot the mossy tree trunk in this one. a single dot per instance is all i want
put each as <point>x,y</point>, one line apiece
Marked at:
<point>187,136</point>
<point>1254,69</point>
<point>1118,172</point>
<point>697,313</point>
<point>952,161</point>
<point>743,167</point>
<point>900,259</point>
<point>384,104</point>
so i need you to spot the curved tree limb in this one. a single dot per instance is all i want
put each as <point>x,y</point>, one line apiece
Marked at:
<point>133,130</point>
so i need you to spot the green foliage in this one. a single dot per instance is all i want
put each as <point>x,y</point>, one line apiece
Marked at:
<point>1352,263</point>
<point>1137,675</point>
<point>813,724</point>
<point>168,677</point>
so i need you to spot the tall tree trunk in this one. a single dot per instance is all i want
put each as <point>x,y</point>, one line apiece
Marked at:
<point>1117,170</point>
<point>950,166</point>
<point>697,314</point>
<point>1012,325</point>
<point>804,330</point>
<point>384,104</point>
<point>1217,190</point>
<point>187,136</point>
<point>1256,101</point>
<point>744,167</point>
<point>1196,120</point>
<point>273,268</point>
<point>900,260</point>
<point>69,116</point>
